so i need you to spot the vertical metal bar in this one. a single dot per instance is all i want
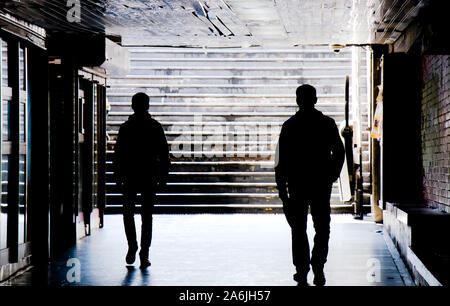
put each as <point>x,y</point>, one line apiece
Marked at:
<point>13,182</point>
<point>347,133</point>
<point>347,100</point>
<point>101,151</point>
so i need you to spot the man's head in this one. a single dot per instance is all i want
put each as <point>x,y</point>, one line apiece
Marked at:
<point>306,96</point>
<point>140,102</point>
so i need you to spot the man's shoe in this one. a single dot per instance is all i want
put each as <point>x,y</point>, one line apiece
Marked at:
<point>145,263</point>
<point>319,278</point>
<point>131,255</point>
<point>143,255</point>
<point>301,279</point>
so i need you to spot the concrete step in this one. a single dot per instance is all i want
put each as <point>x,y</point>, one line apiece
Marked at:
<point>142,59</point>
<point>226,72</point>
<point>230,96</point>
<point>207,187</point>
<point>231,125</point>
<point>221,151</point>
<point>206,198</point>
<point>211,152</point>
<point>255,53</point>
<point>210,128</point>
<point>216,176</point>
<point>224,166</point>
<point>118,105</point>
<point>245,99</point>
<point>229,208</point>
<point>167,80</point>
<point>232,100</point>
<point>246,104</point>
<point>222,120</point>
<point>212,155</point>
<point>219,64</point>
<point>202,117</point>
<point>205,135</point>
<point>219,89</point>
<point>207,125</point>
<point>218,146</point>
<point>214,187</point>
<point>212,166</point>
<point>210,118</point>
<point>148,58</point>
<point>212,198</point>
<point>186,176</point>
<point>204,109</point>
<point>127,83</point>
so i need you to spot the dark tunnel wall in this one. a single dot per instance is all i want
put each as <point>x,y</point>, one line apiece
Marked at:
<point>402,174</point>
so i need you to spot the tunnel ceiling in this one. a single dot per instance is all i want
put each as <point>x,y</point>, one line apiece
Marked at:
<point>222,23</point>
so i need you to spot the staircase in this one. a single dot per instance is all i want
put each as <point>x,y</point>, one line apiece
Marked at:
<point>222,111</point>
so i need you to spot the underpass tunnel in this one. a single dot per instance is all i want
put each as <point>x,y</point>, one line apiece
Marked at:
<point>221,77</point>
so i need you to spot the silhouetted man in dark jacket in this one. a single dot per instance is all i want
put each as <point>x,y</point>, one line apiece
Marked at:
<point>310,158</point>
<point>141,166</point>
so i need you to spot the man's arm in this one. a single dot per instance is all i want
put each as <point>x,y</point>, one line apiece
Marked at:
<point>163,157</point>
<point>117,159</point>
<point>338,154</point>
<point>280,175</point>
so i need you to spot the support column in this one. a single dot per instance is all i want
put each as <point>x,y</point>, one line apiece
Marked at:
<point>374,81</point>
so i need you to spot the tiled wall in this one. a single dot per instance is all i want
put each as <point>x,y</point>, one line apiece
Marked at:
<point>436,130</point>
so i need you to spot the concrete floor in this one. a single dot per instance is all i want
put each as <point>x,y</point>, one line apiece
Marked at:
<point>226,250</point>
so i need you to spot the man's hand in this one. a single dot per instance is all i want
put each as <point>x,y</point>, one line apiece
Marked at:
<point>287,208</point>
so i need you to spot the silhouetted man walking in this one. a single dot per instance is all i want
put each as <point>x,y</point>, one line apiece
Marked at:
<point>141,166</point>
<point>310,158</point>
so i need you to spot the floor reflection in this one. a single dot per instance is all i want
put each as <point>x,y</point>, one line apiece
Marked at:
<point>130,276</point>
<point>136,277</point>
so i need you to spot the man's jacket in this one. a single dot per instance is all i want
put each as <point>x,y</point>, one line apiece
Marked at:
<point>141,154</point>
<point>310,153</point>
